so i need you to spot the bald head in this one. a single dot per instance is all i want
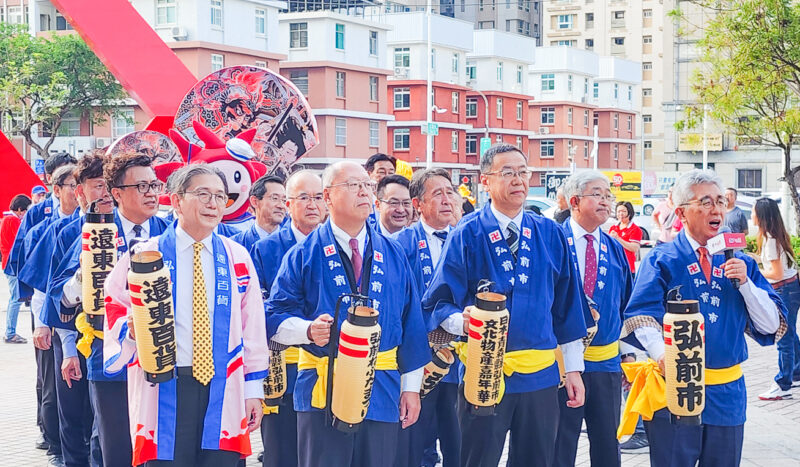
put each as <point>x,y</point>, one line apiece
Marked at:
<point>305,201</point>
<point>300,178</point>
<point>333,172</point>
<point>348,194</point>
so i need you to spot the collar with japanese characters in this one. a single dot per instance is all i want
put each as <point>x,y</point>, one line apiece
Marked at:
<point>707,294</point>
<point>501,255</point>
<point>602,263</point>
<point>424,251</point>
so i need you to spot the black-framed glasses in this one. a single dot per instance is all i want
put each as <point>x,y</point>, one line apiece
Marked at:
<point>305,198</point>
<point>707,202</point>
<point>600,197</point>
<point>511,173</point>
<point>354,186</point>
<point>205,196</point>
<point>144,187</point>
<point>396,203</point>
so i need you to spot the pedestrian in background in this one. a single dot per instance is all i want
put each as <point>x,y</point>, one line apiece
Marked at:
<point>38,194</point>
<point>734,218</point>
<point>8,231</point>
<point>628,234</point>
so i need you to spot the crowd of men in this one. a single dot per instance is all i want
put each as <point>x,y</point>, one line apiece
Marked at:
<point>412,248</point>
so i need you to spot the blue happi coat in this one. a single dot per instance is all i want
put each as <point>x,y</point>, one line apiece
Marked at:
<point>310,280</point>
<point>66,270</point>
<point>247,238</point>
<point>611,293</point>
<point>33,217</point>
<point>40,243</point>
<point>543,292</point>
<point>726,319</point>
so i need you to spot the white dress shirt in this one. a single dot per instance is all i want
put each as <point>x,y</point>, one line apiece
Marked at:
<point>435,244</point>
<point>127,228</point>
<point>384,231</point>
<point>580,242</point>
<point>261,232</point>
<point>299,236</point>
<point>762,310</point>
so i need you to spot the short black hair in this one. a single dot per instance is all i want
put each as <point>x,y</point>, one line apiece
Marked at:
<point>57,160</point>
<point>259,188</point>
<point>116,168</point>
<point>628,207</point>
<point>90,166</point>
<point>398,179</point>
<point>417,186</point>
<point>369,166</point>
<point>20,202</point>
<point>734,190</point>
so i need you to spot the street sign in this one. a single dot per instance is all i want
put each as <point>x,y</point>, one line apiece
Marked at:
<point>433,129</point>
<point>38,166</point>
<point>486,143</point>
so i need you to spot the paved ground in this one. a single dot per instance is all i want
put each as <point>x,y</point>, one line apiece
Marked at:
<point>772,433</point>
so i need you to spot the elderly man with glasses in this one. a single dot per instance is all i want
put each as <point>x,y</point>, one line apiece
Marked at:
<point>268,199</point>
<point>752,308</point>
<point>348,256</point>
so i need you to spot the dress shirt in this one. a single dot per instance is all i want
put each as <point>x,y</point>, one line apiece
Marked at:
<point>762,310</point>
<point>127,228</point>
<point>435,244</point>
<point>503,220</point>
<point>261,232</point>
<point>294,330</point>
<point>299,236</point>
<point>580,243</point>
<point>384,231</point>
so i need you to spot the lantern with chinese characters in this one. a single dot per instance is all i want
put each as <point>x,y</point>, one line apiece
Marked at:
<point>275,381</point>
<point>357,347</point>
<point>436,369</point>
<point>153,315</point>
<point>684,361</point>
<point>486,347</point>
<point>97,259</point>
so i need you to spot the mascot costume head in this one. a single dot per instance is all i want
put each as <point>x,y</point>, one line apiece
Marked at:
<point>232,158</point>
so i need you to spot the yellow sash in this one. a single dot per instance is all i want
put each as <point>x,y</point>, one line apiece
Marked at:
<point>601,353</point>
<point>84,344</point>
<point>387,360</point>
<point>291,355</point>
<point>648,390</point>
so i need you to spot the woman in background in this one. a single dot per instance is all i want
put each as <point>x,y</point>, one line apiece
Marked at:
<point>628,234</point>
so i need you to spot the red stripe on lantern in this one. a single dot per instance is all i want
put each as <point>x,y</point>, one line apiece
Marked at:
<point>667,328</point>
<point>86,235</point>
<point>474,335</point>
<point>135,288</point>
<point>668,341</point>
<point>353,340</point>
<point>85,247</point>
<point>136,301</point>
<point>352,352</point>
<point>475,322</point>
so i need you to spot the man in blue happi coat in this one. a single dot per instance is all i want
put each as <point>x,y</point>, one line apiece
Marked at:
<point>268,199</point>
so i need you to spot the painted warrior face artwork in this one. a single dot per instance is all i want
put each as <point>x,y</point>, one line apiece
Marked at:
<point>152,143</point>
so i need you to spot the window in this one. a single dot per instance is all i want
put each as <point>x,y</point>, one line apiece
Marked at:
<point>630,93</point>
<point>569,83</point>
<point>300,79</point>
<point>616,91</point>
<point>453,141</point>
<point>433,59</point>
<point>373,42</point>
<point>749,179</point>
<point>339,38</point>
<point>216,13</point>
<point>298,35</point>
<point>61,23</point>
<point>620,41</point>
<point>647,39</point>
<point>499,107</point>
<point>519,142</point>
<point>616,121</point>
<point>548,81</point>
<point>589,44</point>
<point>619,15</point>
<point>519,110</point>
<point>402,98</point>
<point>471,70</point>
<point>585,86</point>
<point>121,124</point>
<point>341,131</point>
<point>217,62</point>
<point>630,152</point>
<point>472,107</point>
<point>454,98</point>
<point>647,92</point>
<point>586,119</point>
<point>519,74</point>
<point>498,138</point>
<point>647,118</point>
<point>586,150</point>
<point>548,115</point>
<point>499,72</point>
<point>261,22</point>
<point>402,57</point>
<point>548,149</point>
<point>71,125</point>
<point>454,63</point>
<point>647,13</point>
<point>165,12</point>
<point>595,90</point>
<point>374,133</point>
<point>596,120</point>
<point>648,145</point>
<point>569,116</point>
<point>630,123</point>
<point>373,88</point>
<point>647,66</point>
<point>471,143</point>
<point>401,139</point>
<point>564,21</point>
<point>340,77</point>
<point>589,20</point>
<point>616,152</point>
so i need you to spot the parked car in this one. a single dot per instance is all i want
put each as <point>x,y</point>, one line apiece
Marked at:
<point>546,206</point>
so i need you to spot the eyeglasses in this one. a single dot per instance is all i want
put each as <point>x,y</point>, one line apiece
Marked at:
<point>277,198</point>
<point>511,173</point>
<point>356,186</point>
<point>144,187</point>
<point>600,197</point>
<point>708,202</point>
<point>396,203</point>
<point>205,196</point>
<point>67,185</point>
<point>304,198</point>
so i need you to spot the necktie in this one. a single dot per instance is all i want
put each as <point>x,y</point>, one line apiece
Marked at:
<point>590,268</point>
<point>441,235</point>
<point>705,264</point>
<point>356,259</point>
<point>137,231</point>
<point>202,360</point>
<point>513,238</point>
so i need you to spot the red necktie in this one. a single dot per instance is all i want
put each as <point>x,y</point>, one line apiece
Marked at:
<point>590,269</point>
<point>705,265</point>
<point>356,259</point>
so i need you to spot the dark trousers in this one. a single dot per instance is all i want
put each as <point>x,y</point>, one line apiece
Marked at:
<point>110,404</point>
<point>438,418</point>
<point>374,444</point>
<point>190,412</point>
<point>74,413</point>
<point>789,345</point>
<point>601,412</point>
<point>673,445</point>
<point>532,418</point>
<point>48,400</point>
<point>279,435</point>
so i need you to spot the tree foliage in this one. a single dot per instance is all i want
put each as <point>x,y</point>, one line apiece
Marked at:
<point>42,79</point>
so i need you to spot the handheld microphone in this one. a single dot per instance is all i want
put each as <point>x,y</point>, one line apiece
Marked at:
<point>727,242</point>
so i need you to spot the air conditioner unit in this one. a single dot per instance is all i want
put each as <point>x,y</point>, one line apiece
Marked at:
<point>179,34</point>
<point>401,72</point>
<point>544,130</point>
<point>102,143</point>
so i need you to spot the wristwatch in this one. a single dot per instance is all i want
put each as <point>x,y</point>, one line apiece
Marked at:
<point>626,355</point>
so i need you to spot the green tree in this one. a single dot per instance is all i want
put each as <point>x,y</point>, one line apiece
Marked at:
<point>42,79</point>
<point>750,75</point>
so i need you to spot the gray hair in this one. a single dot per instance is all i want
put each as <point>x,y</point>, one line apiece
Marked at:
<point>577,182</point>
<point>296,176</point>
<point>683,190</point>
<point>62,173</point>
<point>488,157</point>
<point>331,171</point>
<point>417,187</point>
<point>181,179</point>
